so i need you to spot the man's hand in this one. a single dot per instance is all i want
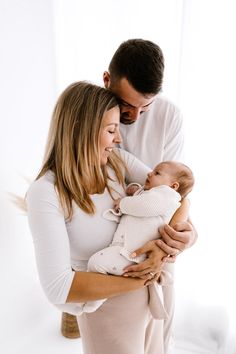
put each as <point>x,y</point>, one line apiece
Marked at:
<point>176,239</point>
<point>150,268</point>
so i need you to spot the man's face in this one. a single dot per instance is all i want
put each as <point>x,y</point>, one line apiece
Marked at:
<point>132,103</point>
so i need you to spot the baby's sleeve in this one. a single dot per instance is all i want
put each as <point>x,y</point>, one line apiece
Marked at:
<point>160,201</point>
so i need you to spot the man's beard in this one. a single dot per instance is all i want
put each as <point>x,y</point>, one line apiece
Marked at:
<point>124,119</point>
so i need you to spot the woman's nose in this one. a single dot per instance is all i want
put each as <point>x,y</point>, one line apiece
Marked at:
<point>117,138</point>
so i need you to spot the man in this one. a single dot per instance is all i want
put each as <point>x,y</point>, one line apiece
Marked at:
<point>151,130</point>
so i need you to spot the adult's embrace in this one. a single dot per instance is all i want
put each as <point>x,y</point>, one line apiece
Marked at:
<point>152,130</point>
<point>80,178</point>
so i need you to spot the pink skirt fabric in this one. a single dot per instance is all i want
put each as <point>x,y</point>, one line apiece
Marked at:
<point>122,325</point>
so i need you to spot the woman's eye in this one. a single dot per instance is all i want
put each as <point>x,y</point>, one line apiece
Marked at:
<point>111,131</point>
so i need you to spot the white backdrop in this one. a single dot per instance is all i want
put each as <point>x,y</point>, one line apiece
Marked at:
<point>197,38</point>
<point>45,45</point>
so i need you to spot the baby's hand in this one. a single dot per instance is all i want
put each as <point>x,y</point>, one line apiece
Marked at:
<point>131,189</point>
<point>117,204</point>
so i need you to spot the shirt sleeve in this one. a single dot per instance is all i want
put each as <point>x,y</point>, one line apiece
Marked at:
<point>159,201</point>
<point>51,242</point>
<point>137,170</point>
<point>174,144</point>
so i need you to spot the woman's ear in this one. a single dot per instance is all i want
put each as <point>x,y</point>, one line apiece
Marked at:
<point>175,185</point>
<point>106,79</point>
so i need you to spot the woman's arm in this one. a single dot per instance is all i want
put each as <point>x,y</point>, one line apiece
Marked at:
<point>52,251</point>
<point>88,286</point>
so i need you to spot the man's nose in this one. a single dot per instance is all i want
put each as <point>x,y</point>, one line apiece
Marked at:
<point>134,113</point>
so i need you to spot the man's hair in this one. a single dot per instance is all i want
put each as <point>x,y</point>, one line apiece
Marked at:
<point>141,62</point>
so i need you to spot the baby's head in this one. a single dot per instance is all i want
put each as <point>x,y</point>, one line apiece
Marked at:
<point>173,174</point>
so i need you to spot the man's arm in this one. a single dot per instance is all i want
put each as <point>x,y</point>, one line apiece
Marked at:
<point>179,235</point>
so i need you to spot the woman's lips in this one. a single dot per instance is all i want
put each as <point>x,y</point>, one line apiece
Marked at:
<point>108,149</point>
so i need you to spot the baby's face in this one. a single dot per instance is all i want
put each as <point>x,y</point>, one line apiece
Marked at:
<point>161,174</point>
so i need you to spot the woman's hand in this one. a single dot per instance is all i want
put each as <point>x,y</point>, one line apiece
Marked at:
<point>174,240</point>
<point>149,269</point>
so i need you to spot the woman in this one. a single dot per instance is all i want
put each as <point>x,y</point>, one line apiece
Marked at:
<point>81,176</point>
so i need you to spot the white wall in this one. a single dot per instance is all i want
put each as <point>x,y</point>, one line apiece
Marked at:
<point>89,32</point>
<point>207,99</point>
<point>27,91</point>
<point>36,63</point>
<point>28,82</point>
<point>27,95</point>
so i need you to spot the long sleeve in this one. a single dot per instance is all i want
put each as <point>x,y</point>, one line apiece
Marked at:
<point>51,242</point>
<point>158,135</point>
<point>158,201</point>
<point>137,170</point>
<point>174,138</point>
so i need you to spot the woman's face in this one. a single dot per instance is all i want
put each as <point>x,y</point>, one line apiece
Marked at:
<point>109,134</point>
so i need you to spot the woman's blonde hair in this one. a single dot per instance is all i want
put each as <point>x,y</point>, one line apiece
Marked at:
<point>72,150</point>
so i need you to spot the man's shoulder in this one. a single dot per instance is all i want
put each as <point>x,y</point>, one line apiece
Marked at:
<point>164,103</point>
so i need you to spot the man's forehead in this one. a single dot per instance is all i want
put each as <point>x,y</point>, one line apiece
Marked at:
<point>137,104</point>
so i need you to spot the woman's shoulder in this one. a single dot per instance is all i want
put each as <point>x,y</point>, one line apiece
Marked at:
<point>42,187</point>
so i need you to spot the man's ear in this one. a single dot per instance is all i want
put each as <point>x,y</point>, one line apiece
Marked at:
<point>106,79</point>
<point>175,186</point>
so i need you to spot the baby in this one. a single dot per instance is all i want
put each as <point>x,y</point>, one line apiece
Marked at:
<point>139,218</point>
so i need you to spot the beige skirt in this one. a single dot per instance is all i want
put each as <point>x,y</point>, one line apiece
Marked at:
<point>122,325</point>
